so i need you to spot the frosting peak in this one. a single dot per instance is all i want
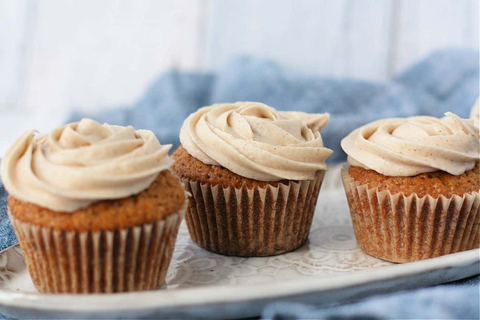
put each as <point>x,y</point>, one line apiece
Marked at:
<point>410,146</point>
<point>82,163</point>
<point>256,141</point>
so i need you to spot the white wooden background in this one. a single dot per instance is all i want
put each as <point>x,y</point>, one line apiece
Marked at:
<point>59,55</point>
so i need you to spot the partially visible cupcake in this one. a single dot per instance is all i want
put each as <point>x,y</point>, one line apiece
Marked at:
<point>94,207</point>
<point>413,186</point>
<point>475,114</point>
<point>254,173</point>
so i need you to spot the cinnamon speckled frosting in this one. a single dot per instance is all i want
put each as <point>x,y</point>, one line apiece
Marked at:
<point>82,163</point>
<point>410,146</point>
<point>256,141</point>
<point>475,114</point>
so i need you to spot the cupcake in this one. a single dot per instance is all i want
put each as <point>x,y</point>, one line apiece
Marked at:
<point>413,187</point>
<point>94,207</point>
<point>254,174</point>
<point>475,114</point>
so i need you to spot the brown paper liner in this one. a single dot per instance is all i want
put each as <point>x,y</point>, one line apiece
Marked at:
<point>251,222</point>
<point>401,229</point>
<point>130,259</point>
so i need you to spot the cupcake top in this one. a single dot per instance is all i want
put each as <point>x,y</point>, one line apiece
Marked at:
<point>256,141</point>
<point>82,163</point>
<point>410,146</point>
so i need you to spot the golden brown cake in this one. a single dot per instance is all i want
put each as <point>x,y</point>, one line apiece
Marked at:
<point>164,197</point>
<point>186,166</point>
<point>413,187</point>
<point>95,208</point>
<point>254,174</point>
<point>434,184</point>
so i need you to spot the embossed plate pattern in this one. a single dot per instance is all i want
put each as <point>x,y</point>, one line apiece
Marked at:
<point>329,267</point>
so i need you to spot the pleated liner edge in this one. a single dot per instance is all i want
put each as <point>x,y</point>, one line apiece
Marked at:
<point>251,222</point>
<point>401,229</point>
<point>131,259</point>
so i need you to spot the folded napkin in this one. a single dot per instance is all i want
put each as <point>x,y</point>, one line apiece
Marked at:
<point>445,81</point>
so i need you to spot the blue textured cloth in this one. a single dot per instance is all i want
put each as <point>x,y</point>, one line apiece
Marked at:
<point>458,300</point>
<point>445,81</point>
<point>7,236</point>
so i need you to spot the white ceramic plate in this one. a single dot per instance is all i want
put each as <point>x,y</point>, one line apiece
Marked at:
<point>330,267</point>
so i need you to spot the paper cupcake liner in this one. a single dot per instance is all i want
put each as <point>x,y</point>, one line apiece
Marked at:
<point>107,261</point>
<point>401,229</point>
<point>251,222</point>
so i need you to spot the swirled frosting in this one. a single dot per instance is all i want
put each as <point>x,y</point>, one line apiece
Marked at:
<point>256,141</point>
<point>82,163</point>
<point>410,146</point>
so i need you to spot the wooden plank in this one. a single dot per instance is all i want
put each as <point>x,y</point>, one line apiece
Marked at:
<point>428,25</point>
<point>89,54</point>
<point>13,15</point>
<point>335,38</point>
<point>367,39</point>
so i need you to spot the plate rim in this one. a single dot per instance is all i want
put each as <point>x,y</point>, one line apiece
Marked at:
<point>239,293</point>
<point>177,298</point>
